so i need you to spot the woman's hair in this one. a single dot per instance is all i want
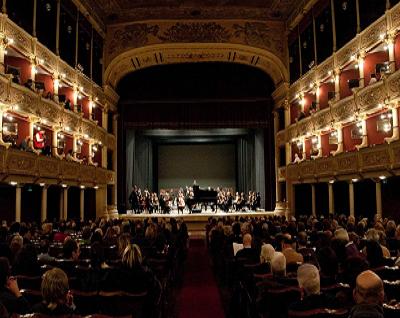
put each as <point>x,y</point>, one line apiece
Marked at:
<point>374,254</point>
<point>97,255</point>
<point>123,241</point>
<point>132,256</point>
<point>151,232</point>
<point>54,286</point>
<point>267,252</point>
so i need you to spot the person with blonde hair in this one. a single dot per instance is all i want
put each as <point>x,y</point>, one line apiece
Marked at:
<point>57,298</point>
<point>267,253</point>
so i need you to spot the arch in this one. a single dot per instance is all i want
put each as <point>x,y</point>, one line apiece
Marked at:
<point>139,58</point>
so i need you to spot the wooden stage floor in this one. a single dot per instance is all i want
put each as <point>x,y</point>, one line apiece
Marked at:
<point>196,222</point>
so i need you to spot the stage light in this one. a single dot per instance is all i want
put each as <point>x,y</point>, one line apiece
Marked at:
<point>382,177</point>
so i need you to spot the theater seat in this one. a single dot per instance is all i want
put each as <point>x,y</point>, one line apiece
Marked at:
<point>274,302</point>
<point>319,313</point>
<point>29,282</point>
<point>120,303</point>
<point>391,310</point>
<point>32,296</point>
<point>86,302</point>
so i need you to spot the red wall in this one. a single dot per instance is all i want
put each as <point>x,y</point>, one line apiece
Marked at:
<point>97,156</point>
<point>344,77</point>
<point>68,143</point>
<point>397,51</point>
<point>375,137</point>
<point>370,62</point>
<point>48,82</point>
<point>295,150</point>
<point>85,107</point>
<point>68,92</point>
<point>84,151</point>
<point>23,64</point>
<point>326,147</point>
<point>309,98</point>
<point>349,143</point>
<point>308,148</point>
<point>294,112</point>
<point>97,114</point>
<point>23,129</point>
<point>323,94</point>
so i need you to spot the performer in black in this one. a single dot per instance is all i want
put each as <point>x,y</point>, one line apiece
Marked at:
<point>134,200</point>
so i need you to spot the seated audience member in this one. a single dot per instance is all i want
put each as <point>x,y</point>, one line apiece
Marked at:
<point>373,235</point>
<point>60,236</point>
<point>248,254</point>
<point>29,84</point>
<point>24,144</point>
<point>10,294</point>
<point>309,283</point>
<point>57,299</point>
<point>368,296</point>
<point>26,262</point>
<point>44,256</point>
<point>133,276</point>
<point>308,253</point>
<point>16,245</point>
<point>328,264</point>
<point>3,311</point>
<point>374,254</point>
<point>67,105</point>
<point>290,253</point>
<point>71,249</point>
<point>267,253</point>
<point>373,79</point>
<point>350,248</point>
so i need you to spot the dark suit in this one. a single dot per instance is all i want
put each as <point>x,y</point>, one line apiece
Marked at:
<point>314,302</point>
<point>248,255</point>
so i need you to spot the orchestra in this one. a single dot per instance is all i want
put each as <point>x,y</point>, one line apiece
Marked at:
<point>226,200</point>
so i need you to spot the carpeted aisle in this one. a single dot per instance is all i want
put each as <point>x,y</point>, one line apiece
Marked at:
<point>199,296</point>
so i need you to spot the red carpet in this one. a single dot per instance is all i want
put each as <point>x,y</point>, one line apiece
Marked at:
<point>199,296</point>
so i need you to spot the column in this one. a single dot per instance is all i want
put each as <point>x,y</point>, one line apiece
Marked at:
<point>288,152</point>
<point>31,123</point>
<point>105,118</point>
<point>2,143</point>
<point>336,75</point>
<point>331,198</point>
<point>65,203</point>
<point>291,199</point>
<point>317,93</point>
<point>56,85</point>
<point>360,63</point>
<point>90,155</point>
<point>58,27</point>
<point>351,198</point>
<point>333,25</point>
<point>3,46</point>
<point>395,120</point>
<point>287,113</point>
<point>33,70</point>
<point>43,214</point>
<point>75,97</point>
<point>18,196</point>
<point>115,164</point>
<point>339,149</point>
<point>304,148</point>
<point>91,106</point>
<point>82,203</point>
<point>104,157</point>
<point>74,145</point>
<point>277,159</point>
<point>364,142</point>
<point>101,201</point>
<point>390,47</point>
<point>378,191</point>
<point>313,201</point>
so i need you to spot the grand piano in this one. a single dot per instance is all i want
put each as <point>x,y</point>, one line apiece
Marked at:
<point>204,197</point>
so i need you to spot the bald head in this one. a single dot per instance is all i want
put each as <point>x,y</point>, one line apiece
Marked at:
<point>247,240</point>
<point>369,289</point>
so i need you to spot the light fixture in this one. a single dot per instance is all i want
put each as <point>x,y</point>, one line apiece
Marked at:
<point>354,180</point>
<point>96,187</point>
<point>13,183</point>
<point>332,181</point>
<point>64,185</point>
<point>82,187</point>
<point>42,184</point>
<point>382,177</point>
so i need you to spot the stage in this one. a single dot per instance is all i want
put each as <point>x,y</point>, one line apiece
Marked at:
<point>196,222</point>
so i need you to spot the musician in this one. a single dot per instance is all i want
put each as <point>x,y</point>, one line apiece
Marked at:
<point>134,199</point>
<point>181,202</point>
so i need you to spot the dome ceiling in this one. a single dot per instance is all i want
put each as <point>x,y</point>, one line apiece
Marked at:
<point>116,11</point>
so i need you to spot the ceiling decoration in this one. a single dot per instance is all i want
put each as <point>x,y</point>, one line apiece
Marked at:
<point>117,11</point>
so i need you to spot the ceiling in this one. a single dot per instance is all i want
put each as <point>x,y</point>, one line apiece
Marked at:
<point>116,11</point>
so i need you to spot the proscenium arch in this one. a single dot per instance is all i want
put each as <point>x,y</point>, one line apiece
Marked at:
<point>161,54</point>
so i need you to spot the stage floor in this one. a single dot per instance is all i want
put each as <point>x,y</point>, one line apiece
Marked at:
<point>196,222</point>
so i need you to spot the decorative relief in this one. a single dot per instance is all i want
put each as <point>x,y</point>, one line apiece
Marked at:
<point>375,159</point>
<point>344,54</point>
<point>196,33</point>
<point>20,162</point>
<point>87,173</point>
<point>393,84</point>
<point>396,155</point>
<point>69,170</point>
<point>21,39</point>
<point>260,35</point>
<point>133,35</point>
<point>280,138</point>
<point>292,172</point>
<point>44,53</point>
<point>281,173</point>
<point>344,109</point>
<point>371,35</point>
<point>395,17</point>
<point>307,169</point>
<point>324,68</point>
<point>48,167</point>
<point>325,166</point>
<point>347,163</point>
<point>370,97</point>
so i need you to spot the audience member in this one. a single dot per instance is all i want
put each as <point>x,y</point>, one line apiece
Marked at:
<point>57,298</point>
<point>248,254</point>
